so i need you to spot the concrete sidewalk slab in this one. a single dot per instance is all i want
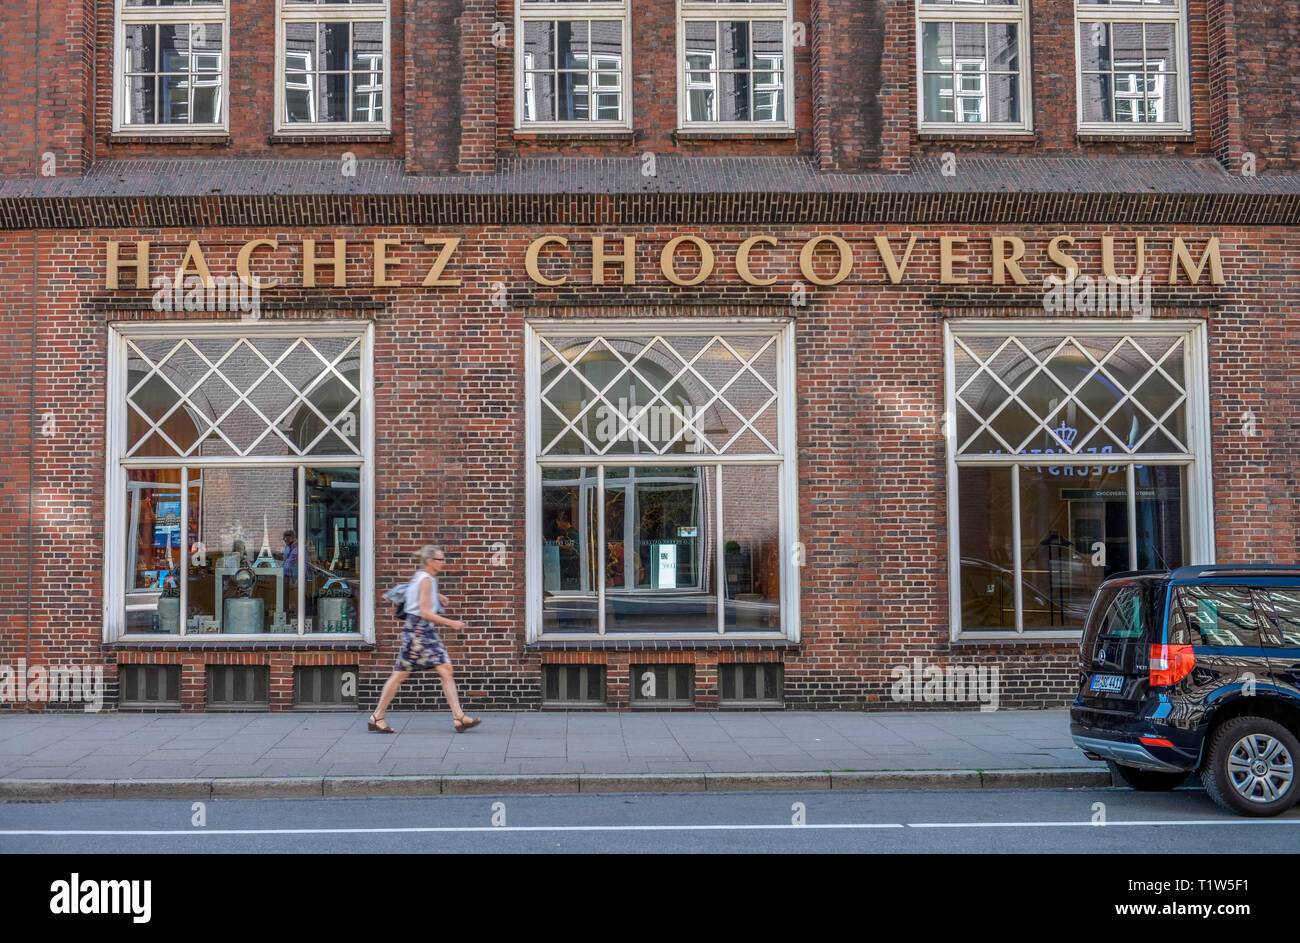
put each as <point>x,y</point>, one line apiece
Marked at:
<point>44,756</point>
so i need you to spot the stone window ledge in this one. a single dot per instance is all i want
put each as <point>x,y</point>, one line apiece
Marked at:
<point>382,137</point>
<point>589,136</point>
<point>1104,137</point>
<point>758,134</point>
<point>207,140</point>
<point>201,644</point>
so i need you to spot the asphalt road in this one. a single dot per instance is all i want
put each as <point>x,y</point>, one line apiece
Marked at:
<point>1008,821</point>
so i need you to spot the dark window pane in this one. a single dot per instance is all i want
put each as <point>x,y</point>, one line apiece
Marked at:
<point>141,48</point>
<point>987,579</point>
<point>571,44</point>
<point>1004,93</point>
<point>333,53</point>
<point>1096,98</point>
<point>573,96</point>
<point>333,102</point>
<point>734,96</point>
<point>1161,517</point>
<point>735,45</point>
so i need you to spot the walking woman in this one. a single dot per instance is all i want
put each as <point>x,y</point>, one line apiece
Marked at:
<point>421,647</point>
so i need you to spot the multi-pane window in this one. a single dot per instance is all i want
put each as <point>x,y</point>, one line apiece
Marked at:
<point>973,64</point>
<point>572,64</point>
<point>240,481</point>
<point>1132,65</point>
<point>333,64</point>
<point>171,65</point>
<point>660,480</point>
<point>734,63</point>
<point>1075,452</point>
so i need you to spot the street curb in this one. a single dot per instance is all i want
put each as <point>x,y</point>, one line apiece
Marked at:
<point>567,783</point>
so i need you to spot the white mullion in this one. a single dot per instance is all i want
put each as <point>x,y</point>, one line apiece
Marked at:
<point>301,589</point>
<point>719,554</point>
<point>1130,485</point>
<point>184,575</point>
<point>600,544</point>
<point>1017,566</point>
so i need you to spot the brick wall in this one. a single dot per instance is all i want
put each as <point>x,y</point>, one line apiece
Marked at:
<point>450,453</point>
<point>854,90</point>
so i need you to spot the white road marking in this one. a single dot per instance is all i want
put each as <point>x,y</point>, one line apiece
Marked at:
<point>627,828</point>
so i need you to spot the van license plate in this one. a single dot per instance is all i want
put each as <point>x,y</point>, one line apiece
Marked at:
<point>1107,683</point>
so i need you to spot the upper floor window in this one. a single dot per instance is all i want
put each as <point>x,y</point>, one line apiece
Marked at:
<point>170,65</point>
<point>572,66</point>
<point>1133,66</point>
<point>332,65</point>
<point>973,64</point>
<point>734,63</point>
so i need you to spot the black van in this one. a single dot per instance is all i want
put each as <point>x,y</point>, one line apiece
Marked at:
<point>1196,669</point>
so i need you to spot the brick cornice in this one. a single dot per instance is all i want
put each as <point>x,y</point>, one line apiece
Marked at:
<point>695,191</point>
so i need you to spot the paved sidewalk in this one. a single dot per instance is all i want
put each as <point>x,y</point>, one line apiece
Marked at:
<point>332,753</point>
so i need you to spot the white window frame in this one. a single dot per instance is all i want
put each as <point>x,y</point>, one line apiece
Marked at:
<point>786,460</point>
<point>1146,12</point>
<point>573,10</point>
<point>1199,496</point>
<point>287,12</point>
<point>217,14</point>
<point>974,12</point>
<point>118,467</point>
<point>719,10</point>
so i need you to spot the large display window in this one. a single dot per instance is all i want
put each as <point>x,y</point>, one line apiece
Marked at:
<point>1076,450</point>
<point>661,480</point>
<point>240,472</point>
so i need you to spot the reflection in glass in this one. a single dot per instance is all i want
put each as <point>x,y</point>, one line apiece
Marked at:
<point>987,569</point>
<point>664,548</point>
<point>751,534</point>
<point>1161,517</point>
<point>332,548</point>
<point>236,583</point>
<point>569,550</point>
<point>153,550</point>
<point>1073,534</point>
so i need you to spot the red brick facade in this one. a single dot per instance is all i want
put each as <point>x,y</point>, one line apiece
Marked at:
<point>872,493</point>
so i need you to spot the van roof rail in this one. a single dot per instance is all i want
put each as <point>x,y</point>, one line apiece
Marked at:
<point>1239,569</point>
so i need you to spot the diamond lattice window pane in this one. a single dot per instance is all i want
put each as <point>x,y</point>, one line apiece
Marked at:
<point>266,396</point>
<point>657,395</point>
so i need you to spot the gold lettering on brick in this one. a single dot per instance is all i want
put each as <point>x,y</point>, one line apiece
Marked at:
<point>895,269</point>
<point>1181,257</point>
<point>1002,263</point>
<point>670,270</point>
<point>1108,259</point>
<point>246,254</point>
<point>310,260</point>
<point>627,258</point>
<point>530,260</point>
<point>742,260</point>
<point>947,258</point>
<point>806,260</point>
<point>1063,259</point>
<point>194,256</point>
<point>379,272</point>
<point>447,245</point>
<point>140,263</point>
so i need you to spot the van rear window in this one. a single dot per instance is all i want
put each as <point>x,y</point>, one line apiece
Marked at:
<point>1128,614</point>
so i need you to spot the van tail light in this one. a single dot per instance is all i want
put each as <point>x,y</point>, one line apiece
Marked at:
<point>1171,664</point>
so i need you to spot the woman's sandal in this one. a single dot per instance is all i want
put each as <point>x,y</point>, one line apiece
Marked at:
<point>379,724</point>
<point>465,722</point>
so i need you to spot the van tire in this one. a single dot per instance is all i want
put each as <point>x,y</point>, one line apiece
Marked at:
<point>1146,780</point>
<point>1219,781</point>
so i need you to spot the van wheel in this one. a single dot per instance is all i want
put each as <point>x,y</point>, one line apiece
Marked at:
<point>1146,780</point>
<point>1251,767</point>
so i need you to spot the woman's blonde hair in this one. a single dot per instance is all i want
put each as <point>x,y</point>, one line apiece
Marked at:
<point>427,552</point>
